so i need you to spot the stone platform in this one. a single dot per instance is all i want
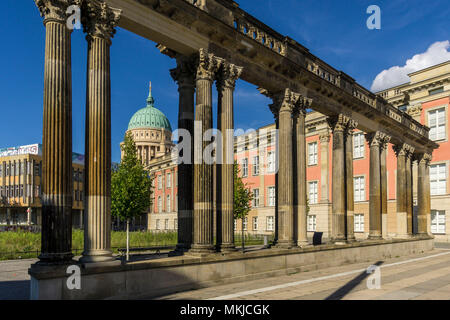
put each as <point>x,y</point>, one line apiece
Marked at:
<point>152,278</point>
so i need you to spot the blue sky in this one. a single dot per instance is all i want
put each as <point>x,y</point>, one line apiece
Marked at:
<point>333,30</point>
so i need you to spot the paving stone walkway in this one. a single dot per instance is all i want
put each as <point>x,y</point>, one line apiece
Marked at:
<point>424,276</point>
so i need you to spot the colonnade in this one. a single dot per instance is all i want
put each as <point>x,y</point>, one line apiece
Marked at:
<point>195,76</point>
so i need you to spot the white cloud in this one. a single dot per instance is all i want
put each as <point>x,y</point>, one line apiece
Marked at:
<point>437,53</point>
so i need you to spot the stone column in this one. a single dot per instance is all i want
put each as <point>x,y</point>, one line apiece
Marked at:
<point>409,192</point>
<point>203,170</point>
<point>423,194</point>
<point>299,141</point>
<point>99,24</point>
<point>384,184</point>
<point>184,75</point>
<point>285,103</point>
<point>350,200</point>
<point>338,125</point>
<point>324,166</point>
<point>375,140</point>
<point>56,245</point>
<point>225,157</point>
<point>401,151</point>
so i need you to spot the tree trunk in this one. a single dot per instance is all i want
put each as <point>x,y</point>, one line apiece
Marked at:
<point>128,239</point>
<point>243,248</point>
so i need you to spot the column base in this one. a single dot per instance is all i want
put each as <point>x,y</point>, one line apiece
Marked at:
<point>375,237</point>
<point>351,239</point>
<point>202,249</point>
<point>402,236</point>
<point>55,258</point>
<point>93,256</point>
<point>227,248</point>
<point>284,244</point>
<point>339,241</point>
<point>302,243</point>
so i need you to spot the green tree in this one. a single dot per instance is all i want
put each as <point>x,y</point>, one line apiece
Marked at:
<point>242,199</point>
<point>130,186</point>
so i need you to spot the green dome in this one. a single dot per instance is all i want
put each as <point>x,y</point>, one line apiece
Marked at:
<point>149,117</point>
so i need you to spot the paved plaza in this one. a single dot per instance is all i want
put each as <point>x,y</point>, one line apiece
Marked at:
<point>423,277</point>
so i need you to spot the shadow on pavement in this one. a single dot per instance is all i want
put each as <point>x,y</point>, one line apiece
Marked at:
<point>343,291</point>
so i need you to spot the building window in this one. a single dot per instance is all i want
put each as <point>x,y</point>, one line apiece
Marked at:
<point>245,223</point>
<point>255,169</point>
<point>255,201</point>
<point>159,204</point>
<point>436,91</point>
<point>245,167</point>
<point>312,153</point>
<point>438,179</point>
<point>169,180</point>
<point>175,224</point>
<point>438,221</point>
<point>159,182</point>
<point>166,224</point>
<point>271,161</point>
<point>271,192</point>
<point>157,224</point>
<point>235,225</point>
<point>359,222</point>
<point>313,192</point>
<point>359,185</point>
<point>358,145</point>
<point>436,122</point>
<point>168,204</point>
<point>37,170</point>
<point>312,223</point>
<point>255,223</point>
<point>270,223</point>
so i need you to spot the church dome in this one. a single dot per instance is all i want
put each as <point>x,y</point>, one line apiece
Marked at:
<point>149,117</point>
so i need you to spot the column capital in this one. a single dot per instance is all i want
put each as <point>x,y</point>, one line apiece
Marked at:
<point>184,73</point>
<point>301,106</point>
<point>54,10</point>
<point>228,74</point>
<point>377,138</point>
<point>403,149</point>
<point>324,137</point>
<point>338,122</point>
<point>286,101</point>
<point>352,125</point>
<point>424,158</point>
<point>208,65</point>
<point>99,20</point>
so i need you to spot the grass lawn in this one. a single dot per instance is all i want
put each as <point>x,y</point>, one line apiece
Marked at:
<point>23,245</point>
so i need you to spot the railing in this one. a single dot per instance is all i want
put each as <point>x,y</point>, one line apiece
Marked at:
<point>257,34</point>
